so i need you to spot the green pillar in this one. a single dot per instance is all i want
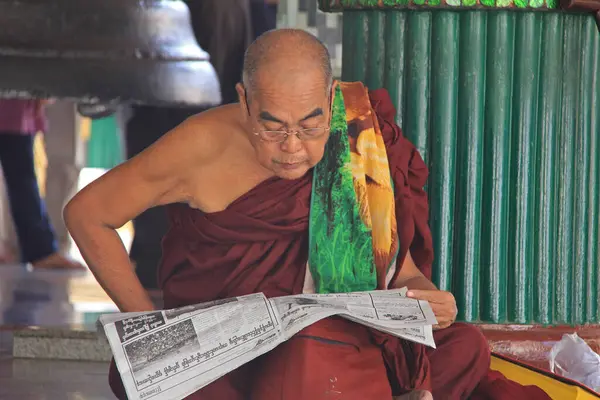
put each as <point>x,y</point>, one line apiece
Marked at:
<point>503,101</point>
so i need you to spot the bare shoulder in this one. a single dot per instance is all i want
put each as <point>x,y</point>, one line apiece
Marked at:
<point>165,172</point>
<point>195,145</point>
<point>201,139</point>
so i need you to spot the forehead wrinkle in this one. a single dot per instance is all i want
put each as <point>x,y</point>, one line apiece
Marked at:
<point>279,104</point>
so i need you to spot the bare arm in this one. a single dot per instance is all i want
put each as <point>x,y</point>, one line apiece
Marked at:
<point>160,175</point>
<point>411,277</point>
<point>419,287</point>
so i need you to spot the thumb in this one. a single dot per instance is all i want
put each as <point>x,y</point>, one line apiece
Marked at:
<point>428,295</point>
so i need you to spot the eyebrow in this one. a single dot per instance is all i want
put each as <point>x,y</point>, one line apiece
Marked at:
<point>267,116</point>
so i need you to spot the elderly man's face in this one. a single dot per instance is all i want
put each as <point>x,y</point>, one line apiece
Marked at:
<point>290,125</point>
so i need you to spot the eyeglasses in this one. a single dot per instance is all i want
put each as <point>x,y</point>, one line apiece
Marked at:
<point>301,134</point>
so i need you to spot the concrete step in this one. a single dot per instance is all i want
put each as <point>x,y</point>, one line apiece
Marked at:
<point>60,344</point>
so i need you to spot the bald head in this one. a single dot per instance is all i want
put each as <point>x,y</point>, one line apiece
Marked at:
<point>283,54</point>
<point>286,88</point>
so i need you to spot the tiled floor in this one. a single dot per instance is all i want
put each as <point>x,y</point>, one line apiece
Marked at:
<point>49,299</point>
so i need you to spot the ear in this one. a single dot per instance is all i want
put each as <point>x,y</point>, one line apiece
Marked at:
<point>244,106</point>
<point>334,85</point>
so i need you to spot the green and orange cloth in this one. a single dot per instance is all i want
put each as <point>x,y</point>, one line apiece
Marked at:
<point>352,233</point>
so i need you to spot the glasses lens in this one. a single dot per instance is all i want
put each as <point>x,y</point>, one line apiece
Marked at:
<point>303,134</point>
<point>312,133</point>
<point>272,136</point>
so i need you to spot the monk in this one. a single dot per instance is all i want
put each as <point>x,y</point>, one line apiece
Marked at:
<point>238,181</point>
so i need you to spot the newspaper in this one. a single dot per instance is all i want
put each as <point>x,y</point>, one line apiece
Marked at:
<point>171,354</point>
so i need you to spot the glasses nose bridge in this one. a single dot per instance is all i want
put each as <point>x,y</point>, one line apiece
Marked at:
<point>291,132</point>
<point>293,145</point>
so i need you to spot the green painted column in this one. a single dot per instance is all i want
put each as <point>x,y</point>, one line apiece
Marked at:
<point>502,98</point>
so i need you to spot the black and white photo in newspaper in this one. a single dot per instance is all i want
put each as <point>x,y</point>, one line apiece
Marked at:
<point>191,349</point>
<point>394,307</point>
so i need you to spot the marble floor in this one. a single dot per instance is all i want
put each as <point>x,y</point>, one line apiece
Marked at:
<point>58,300</point>
<point>50,298</point>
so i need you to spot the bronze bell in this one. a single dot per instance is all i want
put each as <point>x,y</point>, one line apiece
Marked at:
<point>99,52</point>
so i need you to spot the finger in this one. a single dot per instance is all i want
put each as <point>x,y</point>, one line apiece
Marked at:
<point>419,294</point>
<point>440,327</point>
<point>433,296</point>
<point>445,323</point>
<point>441,318</point>
<point>439,310</point>
<point>443,309</point>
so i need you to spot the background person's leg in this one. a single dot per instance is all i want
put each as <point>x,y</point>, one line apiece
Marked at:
<point>8,238</point>
<point>34,230</point>
<point>65,161</point>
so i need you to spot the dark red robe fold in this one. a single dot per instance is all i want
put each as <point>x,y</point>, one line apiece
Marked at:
<point>260,244</point>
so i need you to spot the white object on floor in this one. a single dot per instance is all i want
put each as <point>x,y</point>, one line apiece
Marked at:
<point>87,176</point>
<point>574,359</point>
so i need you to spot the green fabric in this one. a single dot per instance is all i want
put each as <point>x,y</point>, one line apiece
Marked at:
<point>341,248</point>
<point>105,149</point>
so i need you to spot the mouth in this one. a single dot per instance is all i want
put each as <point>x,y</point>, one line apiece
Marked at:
<point>290,166</point>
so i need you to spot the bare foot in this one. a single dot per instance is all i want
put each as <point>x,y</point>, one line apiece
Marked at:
<point>415,395</point>
<point>58,261</point>
<point>7,254</point>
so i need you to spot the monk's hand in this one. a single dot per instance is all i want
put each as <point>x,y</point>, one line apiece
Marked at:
<point>442,303</point>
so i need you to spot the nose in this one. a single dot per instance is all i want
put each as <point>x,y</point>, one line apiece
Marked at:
<point>291,144</point>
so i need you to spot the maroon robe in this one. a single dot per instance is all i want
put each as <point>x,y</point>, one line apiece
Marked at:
<point>260,244</point>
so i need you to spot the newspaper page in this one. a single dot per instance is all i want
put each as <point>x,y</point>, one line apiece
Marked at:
<point>389,311</point>
<point>172,353</point>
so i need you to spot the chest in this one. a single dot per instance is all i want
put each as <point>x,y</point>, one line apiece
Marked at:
<point>222,184</point>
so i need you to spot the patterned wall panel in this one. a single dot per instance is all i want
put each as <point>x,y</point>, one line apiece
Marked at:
<point>505,108</point>
<point>375,4</point>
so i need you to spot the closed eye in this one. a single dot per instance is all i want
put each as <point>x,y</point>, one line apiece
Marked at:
<point>273,127</point>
